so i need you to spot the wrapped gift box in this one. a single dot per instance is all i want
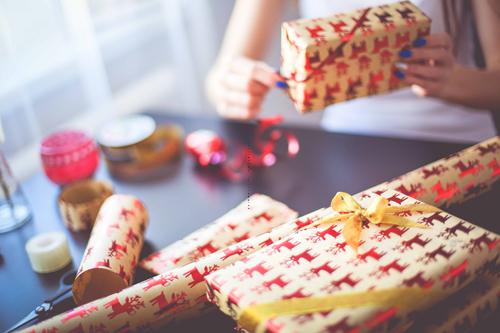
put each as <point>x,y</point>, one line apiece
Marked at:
<point>318,262</point>
<point>254,216</point>
<point>453,179</point>
<point>332,59</point>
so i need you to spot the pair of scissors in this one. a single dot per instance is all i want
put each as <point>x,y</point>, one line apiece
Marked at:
<point>44,310</point>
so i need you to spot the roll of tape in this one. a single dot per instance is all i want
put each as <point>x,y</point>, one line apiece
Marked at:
<point>48,252</point>
<point>79,203</point>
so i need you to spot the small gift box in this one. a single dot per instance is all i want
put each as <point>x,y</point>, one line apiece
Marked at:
<point>367,263</point>
<point>345,56</point>
<point>254,216</point>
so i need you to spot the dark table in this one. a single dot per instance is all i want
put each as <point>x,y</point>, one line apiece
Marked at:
<point>185,198</point>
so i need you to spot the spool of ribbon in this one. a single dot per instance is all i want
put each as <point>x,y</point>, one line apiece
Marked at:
<point>209,149</point>
<point>347,210</point>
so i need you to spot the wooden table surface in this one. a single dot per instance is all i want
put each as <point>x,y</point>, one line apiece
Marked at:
<point>185,198</point>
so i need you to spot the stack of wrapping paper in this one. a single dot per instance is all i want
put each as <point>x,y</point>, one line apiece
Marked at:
<point>332,59</point>
<point>254,216</point>
<point>180,291</point>
<point>313,281</point>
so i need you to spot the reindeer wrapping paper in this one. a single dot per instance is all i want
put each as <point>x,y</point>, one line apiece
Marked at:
<point>317,261</point>
<point>254,216</point>
<point>113,249</point>
<point>337,58</point>
<point>454,179</point>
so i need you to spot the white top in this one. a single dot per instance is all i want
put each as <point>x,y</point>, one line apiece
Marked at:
<point>401,113</point>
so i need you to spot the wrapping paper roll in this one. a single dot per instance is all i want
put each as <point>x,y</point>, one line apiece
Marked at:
<point>113,249</point>
<point>79,203</point>
<point>254,216</point>
<point>454,179</point>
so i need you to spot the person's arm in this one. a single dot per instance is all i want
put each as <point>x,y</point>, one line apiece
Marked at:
<point>446,79</point>
<point>238,81</point>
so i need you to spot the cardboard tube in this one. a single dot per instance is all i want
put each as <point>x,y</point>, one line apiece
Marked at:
<point>113,249</point>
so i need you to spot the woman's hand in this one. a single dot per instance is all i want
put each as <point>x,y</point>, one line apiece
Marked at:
<point>428,65</point>
<point>237,88</point>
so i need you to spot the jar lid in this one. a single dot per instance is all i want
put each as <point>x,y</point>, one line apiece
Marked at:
<point>64,142</point>
<point>125,131</point>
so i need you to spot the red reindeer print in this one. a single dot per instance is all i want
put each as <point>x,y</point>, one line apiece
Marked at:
<point>103,263</point>
<point>265,243</point>
<point>160,280</point>
<point>206,248</point>
<point>352,87</point>
<point>392,230</point>
<point>296,294</point>
<point>111,228</point>
<point>299,223</point>
<point>277,281</point>
<point>432,256</point>
<point>418,280</point>
<point>315,271</point>
<point>123,274</point>
<point>288,244</point>
<point>371,253</point>
<point>126,213</point>
<point>385,270</point>
<point>339,27</point>
<point>460,226</point>
<point>471,168</point>
<point>243,237</point>
<point>402,39</point>
<point>408,244</point>
<point>129,306</point>
<point>308,96</point>
<point>295,259</point>
<point>341,326</point>
<point>429,220</point>
<point>233,298</point>
<point>166,306</point>
<point>414,191</point>
<point>315,32</point>
<point>477,243</point>
<point>373,81</point>
<point>117,250</point>
<point>342,68</point>
<point>364,62</point>
<point>453,272</point>
<point>436,170</point>
<point>444,193</point>
<point>314,58</point>
<point>264,216</point>
<point>338,247</point>
<point>397,199</point>
<point>79,312</point>
<point>132,238</point>
<point>321,235</point>
<point>258,268</point>
<point>357,49</point>
<point>386,57</point>
<point>489,148</point>
<point>380,43</point>
<point>197,276</point>
<point>336,284</point>
<point>330,91</point>
<point>229,252</point>
<point>472,190</point>
<point>493,165</point>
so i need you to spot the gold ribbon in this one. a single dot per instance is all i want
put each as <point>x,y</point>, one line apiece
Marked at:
<point>379,212</point>
<point>407,299</point>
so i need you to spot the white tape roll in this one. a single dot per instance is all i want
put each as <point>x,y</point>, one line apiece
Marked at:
<point>48,252</point>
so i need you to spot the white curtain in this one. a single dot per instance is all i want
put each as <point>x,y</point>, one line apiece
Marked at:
<point>78,62</point>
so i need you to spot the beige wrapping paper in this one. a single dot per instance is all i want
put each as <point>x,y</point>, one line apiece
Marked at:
<point>454,179</point>
<point>113,249</point>
<point>254,216</point>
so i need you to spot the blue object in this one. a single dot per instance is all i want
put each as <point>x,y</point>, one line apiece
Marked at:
<point>406,53</point>
<point>400,75</point>
<point>281,84</point>
<point>419,42</point>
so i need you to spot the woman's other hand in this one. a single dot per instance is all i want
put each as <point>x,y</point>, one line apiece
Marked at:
<point>237,87</point>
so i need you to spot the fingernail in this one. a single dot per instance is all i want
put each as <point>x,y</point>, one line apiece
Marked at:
<point>406,53</point>
<point>400,75</point>
<point>281,84</point>
<point>401,66</point>
<point>419,42</point>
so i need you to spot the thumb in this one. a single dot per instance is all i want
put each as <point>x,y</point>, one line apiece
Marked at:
<point>266,75</point>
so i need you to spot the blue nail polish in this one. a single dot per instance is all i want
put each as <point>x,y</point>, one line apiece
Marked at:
<point>419,42</point>
<point>405,53</point>
<point>281,84</point>
<point>400,75</point>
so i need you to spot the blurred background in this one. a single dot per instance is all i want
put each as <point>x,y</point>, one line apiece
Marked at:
<point>76,63</point>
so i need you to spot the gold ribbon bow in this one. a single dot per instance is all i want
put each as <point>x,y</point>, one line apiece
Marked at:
<point>379,212</point>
